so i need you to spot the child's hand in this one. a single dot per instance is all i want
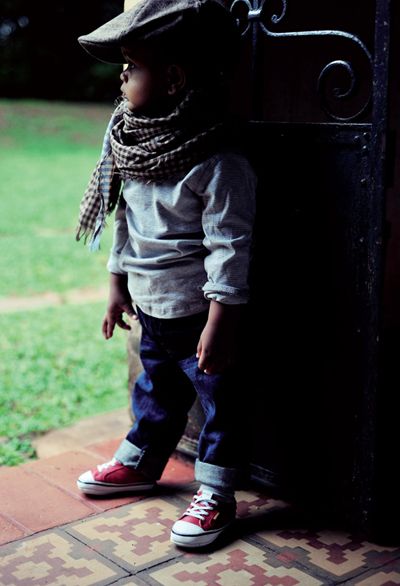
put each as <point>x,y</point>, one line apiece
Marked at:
<point>218,342</point>
<point>119,302</point>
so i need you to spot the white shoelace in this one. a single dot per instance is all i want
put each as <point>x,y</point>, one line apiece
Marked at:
<point>200,507</point>
<point>101,467</point>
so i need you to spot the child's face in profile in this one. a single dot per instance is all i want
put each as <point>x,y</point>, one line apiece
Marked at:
<point>145,81</point>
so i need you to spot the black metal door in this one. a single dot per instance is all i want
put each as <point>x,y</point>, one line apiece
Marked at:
<point>319,242</point>
<point>313,80</point>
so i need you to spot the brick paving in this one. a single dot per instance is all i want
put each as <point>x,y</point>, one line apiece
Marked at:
<point>54,535</point>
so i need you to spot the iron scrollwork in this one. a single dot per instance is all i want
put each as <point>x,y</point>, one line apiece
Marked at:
<point>253,13</point>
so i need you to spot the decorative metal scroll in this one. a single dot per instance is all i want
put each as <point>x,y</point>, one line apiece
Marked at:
<point>249,13</point>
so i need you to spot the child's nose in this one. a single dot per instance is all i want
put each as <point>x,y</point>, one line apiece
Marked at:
<point>124,76</point>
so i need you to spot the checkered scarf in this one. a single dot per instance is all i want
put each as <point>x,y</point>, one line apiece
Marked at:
<point>150,150</point>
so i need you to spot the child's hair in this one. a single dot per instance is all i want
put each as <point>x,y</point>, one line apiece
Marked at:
<point>206,47</point>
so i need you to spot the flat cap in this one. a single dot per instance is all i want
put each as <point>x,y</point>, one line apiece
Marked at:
<point>149,18</point>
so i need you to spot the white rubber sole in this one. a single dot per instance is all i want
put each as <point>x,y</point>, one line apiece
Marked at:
<point>197,540</point>
<point>98,488</point>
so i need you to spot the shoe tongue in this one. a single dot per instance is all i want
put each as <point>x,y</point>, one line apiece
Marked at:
<point>206,495</point>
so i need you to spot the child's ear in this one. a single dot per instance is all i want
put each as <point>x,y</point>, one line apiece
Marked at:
<point>176,79</point>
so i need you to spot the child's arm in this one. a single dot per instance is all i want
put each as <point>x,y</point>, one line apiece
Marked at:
<point>228,218</point>
<point>218,342</point>
<point>119,302</point>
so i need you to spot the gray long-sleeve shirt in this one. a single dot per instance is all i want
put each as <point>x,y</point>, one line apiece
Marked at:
<point>185,242</point>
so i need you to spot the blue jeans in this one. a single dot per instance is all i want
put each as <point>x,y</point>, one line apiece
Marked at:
<point>164,393</point>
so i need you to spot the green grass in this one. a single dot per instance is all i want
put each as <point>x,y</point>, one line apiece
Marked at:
<point>47,153</point>
<point>55,367</point>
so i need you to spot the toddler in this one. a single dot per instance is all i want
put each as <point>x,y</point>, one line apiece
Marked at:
<point>185,205</point>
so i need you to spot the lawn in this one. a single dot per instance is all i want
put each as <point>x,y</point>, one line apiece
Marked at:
<point>55,367</point>
<point>47,154</point>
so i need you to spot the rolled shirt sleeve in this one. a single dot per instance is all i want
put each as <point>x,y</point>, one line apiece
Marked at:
<point>228,219</point>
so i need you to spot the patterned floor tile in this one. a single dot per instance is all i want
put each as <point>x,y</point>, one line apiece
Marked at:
<point>380,578</point>
<point>238,564</point>
<point>131,581</point>
<point>135,536</point>
<point>56,559</point>
<point>388,575</point>
<point>250,503</point>
<point>331,554</point>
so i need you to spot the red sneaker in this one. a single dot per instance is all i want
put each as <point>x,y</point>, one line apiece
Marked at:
<point>113,477</point>
<point>203,521</point>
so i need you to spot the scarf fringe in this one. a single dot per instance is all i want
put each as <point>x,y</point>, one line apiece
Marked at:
<point>82,233</point>
<point>91,237</point>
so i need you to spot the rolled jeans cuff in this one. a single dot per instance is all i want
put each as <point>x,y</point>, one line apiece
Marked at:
<point>218,477</point>
<point>140,459</point>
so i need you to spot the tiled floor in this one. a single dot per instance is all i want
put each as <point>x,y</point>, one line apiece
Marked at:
<point>55,536</point>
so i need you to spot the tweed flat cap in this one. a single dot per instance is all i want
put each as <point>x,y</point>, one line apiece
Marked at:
<point>149,18</point>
